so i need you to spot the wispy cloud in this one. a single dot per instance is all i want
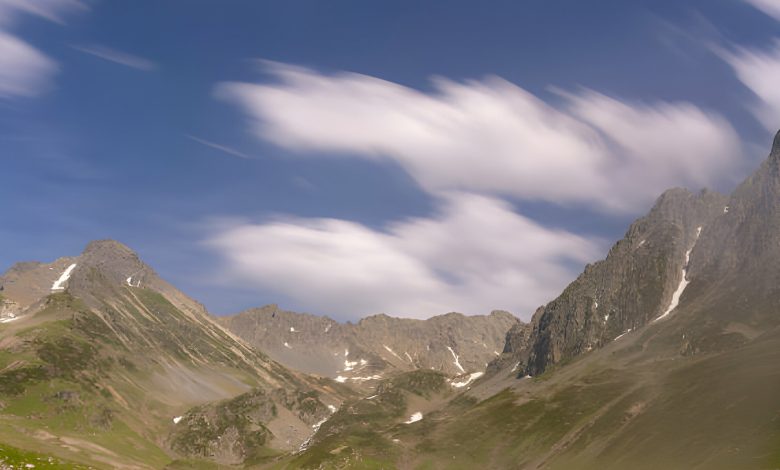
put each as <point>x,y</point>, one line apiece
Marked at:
<point>474,255</point>
<point>468,145</point>
<point>24,70</point>
<point>759,70</point>
<point>221,148</point>
<point>770,7</point>
<point>118,57</point>
<point>493,137</point>
<point>51,10</point>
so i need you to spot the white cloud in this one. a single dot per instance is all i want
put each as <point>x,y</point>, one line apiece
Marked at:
<point>494,137</point>
<point>760,72</point>
<point>24,71</point>
<point>474,255</point>
<point>770,7</point>
<point>118,57</point>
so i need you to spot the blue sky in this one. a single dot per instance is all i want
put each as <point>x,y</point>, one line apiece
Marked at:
<point>350,158</point>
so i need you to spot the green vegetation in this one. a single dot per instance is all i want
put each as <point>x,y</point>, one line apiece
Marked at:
<point>232,430</point>
<point>12,458</point>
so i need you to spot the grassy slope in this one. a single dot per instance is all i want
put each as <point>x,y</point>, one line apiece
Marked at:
<point>361,433</point>
<point>636,404</point>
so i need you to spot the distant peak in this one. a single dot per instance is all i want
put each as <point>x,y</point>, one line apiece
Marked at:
<point>776,147</point>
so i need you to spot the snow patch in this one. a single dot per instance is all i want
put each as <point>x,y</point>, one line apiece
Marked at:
<point>349,365</point>
<point>341,379</point>
<point>472,377</point>
<point>457,360</point>
<point>414,418</point>
<point>683,281</point>
<point>517,364</point>
<point>642,242</point>
<point>364,379</point>
<point>292,329</point>
<point>409,357</point>
<point>726,210</point>
<point>496,353</point>
<point>622,334</point>
<point>177,419</point>
<point>287,345</point>
<point>392,352</point>
<point>58,284</point>
<point>332,408</point>
<point>606,317</point>
<point>372,397</point>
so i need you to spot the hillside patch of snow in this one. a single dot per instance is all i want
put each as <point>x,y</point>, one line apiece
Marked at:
<point>58,284</point>
<point>287,345</point>
<point>472,377</point>
<point>340,379</point>
<point>457,360</point>
<point>683,282</point>
<point>414,418</point>
<point>392,352</point>
<point>349,365</point>
<point>622,334</point>
<point>177,419</point>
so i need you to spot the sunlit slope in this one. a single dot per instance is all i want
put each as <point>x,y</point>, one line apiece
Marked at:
<point>96,371</point>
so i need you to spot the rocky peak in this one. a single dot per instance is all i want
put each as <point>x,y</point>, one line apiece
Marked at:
<point>775,153</point>
<point>630,288</point>
<point>109,264</point>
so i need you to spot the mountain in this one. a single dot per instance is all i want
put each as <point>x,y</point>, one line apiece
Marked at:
<point>635,284</point>
<point>683,373</point>
<point>102,362</point>
<point>666,354</point>
<point>375,347</point>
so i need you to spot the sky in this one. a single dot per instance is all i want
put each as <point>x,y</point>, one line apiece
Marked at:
<point>352,158</point>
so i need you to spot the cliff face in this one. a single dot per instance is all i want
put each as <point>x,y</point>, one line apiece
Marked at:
<point>708,250</point>
<point>635,284</point>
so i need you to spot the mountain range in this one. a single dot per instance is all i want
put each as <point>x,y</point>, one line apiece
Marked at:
<point>666,354</point>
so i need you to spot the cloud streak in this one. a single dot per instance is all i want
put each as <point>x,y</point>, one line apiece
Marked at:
<point>770,7</point>
<point>51,10</point>
<point>117,57</point>
<point>221,148</point>
<point>475,254</point>
<point>759,71</point>
<point>493,137</point>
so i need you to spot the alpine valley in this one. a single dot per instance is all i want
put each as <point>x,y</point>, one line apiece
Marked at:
<point>664,355</point>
